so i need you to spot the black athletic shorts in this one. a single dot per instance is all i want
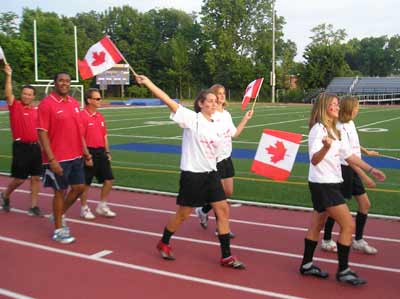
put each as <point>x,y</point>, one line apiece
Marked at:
<point>26,160</point>
<point>72,175</point>
<point>352,184</point>
<point>197,189</point>
<point>325,195</point>
<point>101,167</point>
<point>225,168</point>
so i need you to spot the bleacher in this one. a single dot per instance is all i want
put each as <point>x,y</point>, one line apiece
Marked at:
<point>340,85</point>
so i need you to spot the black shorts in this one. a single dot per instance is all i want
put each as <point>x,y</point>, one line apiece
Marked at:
<point>72,175</point>
<point>352,184</point>
<point>26,160</point>
<point>101,167</point>
<point>324,195</point>
<point>198,189</point>
<point>225,168</point>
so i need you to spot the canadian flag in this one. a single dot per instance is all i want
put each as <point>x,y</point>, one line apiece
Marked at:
<point>276,154</point>
<point>99,58</point>
<point>252,91</point>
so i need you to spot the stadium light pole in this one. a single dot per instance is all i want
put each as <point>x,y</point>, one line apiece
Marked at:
<point>272,77</point>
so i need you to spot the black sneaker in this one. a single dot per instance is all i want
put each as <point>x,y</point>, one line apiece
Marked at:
<point>35,211</point>
<point>314,271</point>
<point>6,203</point>
<point>350,277</point>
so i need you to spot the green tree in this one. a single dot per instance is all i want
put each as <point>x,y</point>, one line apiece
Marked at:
<point>9,23</point>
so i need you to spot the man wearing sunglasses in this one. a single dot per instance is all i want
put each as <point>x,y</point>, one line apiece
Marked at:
<point>95,133</point>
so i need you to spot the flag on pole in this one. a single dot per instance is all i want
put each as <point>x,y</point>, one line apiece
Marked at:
<point>252,91</point>
<point>2,56</point>
<point>276,154</point>
<point>100,57</point>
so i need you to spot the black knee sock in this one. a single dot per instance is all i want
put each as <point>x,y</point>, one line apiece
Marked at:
<point>361,219</point>
<point>328,228</point>
<point>309,248</point>
<point>225,242</point>
<point>206,208</point>
<point>166,236</point>
<point>343,256</point>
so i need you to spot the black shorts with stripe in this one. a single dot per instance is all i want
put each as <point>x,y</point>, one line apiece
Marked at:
<point>225,168</point>
<point>352,184</point>
<point>26,160</point>
<point>198,189</point>
<point>325,195</point>
<point>101,167</point>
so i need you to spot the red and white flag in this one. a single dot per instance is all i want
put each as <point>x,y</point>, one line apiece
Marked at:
<point>99,58</point>
<point>252,91</point>
<point>276,154</point>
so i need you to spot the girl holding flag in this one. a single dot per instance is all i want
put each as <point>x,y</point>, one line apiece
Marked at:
<point>199,182</point>
<point>326,148</point>
<point>353,180</point>
<point>225,166</point>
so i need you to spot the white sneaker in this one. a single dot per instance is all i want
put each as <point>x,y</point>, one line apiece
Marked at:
<point>104,210</point>
<point>62,235</point>
<point>362,245</point>
<point>202,216</point>
<point>86,213</point>
<point>329,245</point>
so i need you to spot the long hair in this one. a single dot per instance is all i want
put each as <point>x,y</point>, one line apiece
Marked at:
<point>201,97</point>
<point>319,114</point>
<point>215,88</point>
<point>347,106</point>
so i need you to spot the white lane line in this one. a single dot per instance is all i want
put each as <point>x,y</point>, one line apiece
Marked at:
<point>285,227</point>
<point>152,270</point>
<point>101,254</point>
<point>12,294</point>
<point>239,247</point>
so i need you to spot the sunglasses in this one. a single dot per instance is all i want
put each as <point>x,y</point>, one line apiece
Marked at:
<point>96,99</point>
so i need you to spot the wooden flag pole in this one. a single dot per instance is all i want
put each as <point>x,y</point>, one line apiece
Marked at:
<point>254,103</point>
<point>132,70</point>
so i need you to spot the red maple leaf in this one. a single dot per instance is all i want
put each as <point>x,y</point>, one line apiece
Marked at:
<point>99,58</point>
<point>278,151</point>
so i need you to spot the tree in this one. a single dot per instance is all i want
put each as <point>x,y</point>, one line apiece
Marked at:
<point>8,23</point>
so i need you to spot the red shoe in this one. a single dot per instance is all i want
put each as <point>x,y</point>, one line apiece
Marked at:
<point>165,251</point>
<point>233,262</point>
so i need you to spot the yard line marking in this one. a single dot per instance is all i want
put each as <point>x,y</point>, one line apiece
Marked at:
<point>277,123</point>
<point>101,254</point>
<point>378,122</point>
<point>151,270</point>
<point>212,243</point>
<point>12,294</point>
<point>162,211</point>
<point>138,127</point>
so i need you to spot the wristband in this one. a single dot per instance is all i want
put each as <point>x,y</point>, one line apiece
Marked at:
<point>51,160</point>
<point>107,152</point>
<point>370,170</point>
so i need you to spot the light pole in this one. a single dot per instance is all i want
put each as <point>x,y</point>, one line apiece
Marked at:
<point>272,77</point>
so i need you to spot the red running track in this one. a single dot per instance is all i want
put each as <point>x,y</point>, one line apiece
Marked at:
<point>269,241</point>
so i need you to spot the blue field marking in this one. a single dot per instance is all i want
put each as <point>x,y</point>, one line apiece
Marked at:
<point>378,162</point>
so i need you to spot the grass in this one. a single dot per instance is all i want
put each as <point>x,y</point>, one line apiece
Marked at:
<point>161,171</point>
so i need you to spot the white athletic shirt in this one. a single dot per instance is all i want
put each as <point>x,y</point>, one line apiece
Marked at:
<point>349,132</point>
<point>328,170</point>
<point>201,141</point>
<point>228,130</point>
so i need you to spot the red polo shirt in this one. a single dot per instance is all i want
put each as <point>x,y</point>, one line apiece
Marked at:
<point>23,120</point>
<point>61,119</point>
<point>94,128</point>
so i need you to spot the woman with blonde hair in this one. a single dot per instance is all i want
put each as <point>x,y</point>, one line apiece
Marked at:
<point>326,147</point>
<point>353,179</point>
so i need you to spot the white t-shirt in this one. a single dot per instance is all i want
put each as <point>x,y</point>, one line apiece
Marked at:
<point>349,134</point>
<point>328,170</point>
<point>201,141</point>
<point>227,130</point>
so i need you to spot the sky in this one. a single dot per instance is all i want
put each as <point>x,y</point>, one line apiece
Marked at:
<point>360,18</point>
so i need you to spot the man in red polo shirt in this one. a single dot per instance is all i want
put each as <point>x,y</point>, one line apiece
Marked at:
<point>26,159</point>
<point>95,133</point>
<point>61,137</point>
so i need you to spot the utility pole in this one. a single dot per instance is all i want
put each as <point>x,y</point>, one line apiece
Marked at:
<point>272,77</point>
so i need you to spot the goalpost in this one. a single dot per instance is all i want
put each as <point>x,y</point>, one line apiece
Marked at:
<point>43,89</point>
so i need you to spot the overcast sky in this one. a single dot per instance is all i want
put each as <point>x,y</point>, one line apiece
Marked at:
<point>360,18</point>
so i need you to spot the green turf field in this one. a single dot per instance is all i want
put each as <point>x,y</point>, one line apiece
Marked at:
<point>161,171</point>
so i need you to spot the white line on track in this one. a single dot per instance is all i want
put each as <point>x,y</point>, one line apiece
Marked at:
<point>14,295</point>
<point>101,254</point>
<point>151,270</point>
<point>198,241</point>
<point>170,212</point>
